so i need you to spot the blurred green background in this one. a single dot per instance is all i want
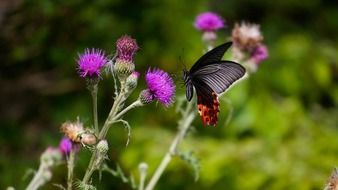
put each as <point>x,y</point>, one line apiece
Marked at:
<point>284,128</point>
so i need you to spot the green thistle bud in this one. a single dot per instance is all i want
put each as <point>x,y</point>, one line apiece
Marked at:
<point>102,147</point>
<point>131,81</point>
<point>123,68</point>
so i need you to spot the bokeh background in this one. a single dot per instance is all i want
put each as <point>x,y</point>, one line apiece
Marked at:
<point>283,132</point>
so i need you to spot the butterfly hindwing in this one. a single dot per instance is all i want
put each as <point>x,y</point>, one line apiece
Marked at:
<point>207,103</point>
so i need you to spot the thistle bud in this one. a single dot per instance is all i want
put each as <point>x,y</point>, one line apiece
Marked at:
<point>143,167</point>
<point>123,68</point>
<point>146,97</point>
<point>88,139</point>
<point>102,147</point>
<point>124,65</point>
<point>131,81</point>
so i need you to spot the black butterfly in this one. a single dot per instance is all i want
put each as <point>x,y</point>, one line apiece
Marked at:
<point>211,76</point>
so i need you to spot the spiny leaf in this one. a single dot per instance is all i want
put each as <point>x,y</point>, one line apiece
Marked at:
<point>192,161</point>
<point>59,186</point>
<point>119,173</point>
<point>126,126</point>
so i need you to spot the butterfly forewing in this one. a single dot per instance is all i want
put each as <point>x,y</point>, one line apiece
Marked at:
<point>211,56</point>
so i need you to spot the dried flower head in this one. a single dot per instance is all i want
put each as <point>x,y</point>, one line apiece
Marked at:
<point>246,36</point>
<point>161,86</point>
<point>72,130</point>
<point>91,62</point>
<point>333,181</point>
<point>77,134</point>
<point>259,54</point>
<point>126,48</point>
<point>208,21</point>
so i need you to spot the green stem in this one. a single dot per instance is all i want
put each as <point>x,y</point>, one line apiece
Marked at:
<point>184,124</point>
<point>111,115</point>
<point>135,104</point>
<point>70,165</point>
<point>94,98</point>
<point>90,169</point>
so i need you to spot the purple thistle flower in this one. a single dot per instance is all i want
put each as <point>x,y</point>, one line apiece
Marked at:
<point>259,54</point>
<point>65,145</point>
<point>161,86</point>
<point>91,62</point>
<point>208,21</point>
<point>126,48</point>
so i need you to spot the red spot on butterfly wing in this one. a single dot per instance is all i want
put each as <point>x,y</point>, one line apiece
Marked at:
<point>208,110</point>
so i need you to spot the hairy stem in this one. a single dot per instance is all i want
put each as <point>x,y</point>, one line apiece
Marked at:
<point>39,178</point>
<point>70,166</point>
<point>94,98</point>
<point>184,124</point>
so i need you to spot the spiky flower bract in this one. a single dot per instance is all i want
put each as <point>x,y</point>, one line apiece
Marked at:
<point>91,62</point>
<point>161,86</point>
<point>208,21</point>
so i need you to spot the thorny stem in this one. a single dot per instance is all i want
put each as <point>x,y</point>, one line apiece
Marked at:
<point>94,99</point>
<point>70,165</point>
<point>184,124</point>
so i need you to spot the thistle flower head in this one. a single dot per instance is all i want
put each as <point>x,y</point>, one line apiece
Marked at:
<point>126,48</point>
<point>259,54</point>
<point>91,62</point>
<point>161,86</point>
<point>246,36</point>
<point>208,21</point>
<point>65,146</point>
